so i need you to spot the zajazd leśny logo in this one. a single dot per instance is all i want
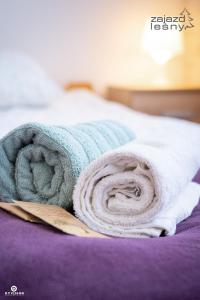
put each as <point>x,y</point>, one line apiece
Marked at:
<point>181,22</point>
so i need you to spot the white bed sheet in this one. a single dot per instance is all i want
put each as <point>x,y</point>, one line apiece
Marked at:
<point>72,107</point>
<point>82,106</point>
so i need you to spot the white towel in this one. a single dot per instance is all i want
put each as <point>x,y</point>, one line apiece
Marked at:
<point>141,189</point>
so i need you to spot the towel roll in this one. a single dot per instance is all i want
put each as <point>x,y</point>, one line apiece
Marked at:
<point>41,163</point>
<point>140,189</point>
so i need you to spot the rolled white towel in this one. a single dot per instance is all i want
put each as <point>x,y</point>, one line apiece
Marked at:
<point>140,189</point>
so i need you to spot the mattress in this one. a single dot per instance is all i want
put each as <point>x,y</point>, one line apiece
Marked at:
<point>46,264</point>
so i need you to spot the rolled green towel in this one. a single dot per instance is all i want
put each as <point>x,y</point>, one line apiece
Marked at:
<point>41,163</point>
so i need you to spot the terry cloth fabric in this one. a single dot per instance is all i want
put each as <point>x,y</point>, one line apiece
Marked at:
<point>140,189</point>
<point>41,163</point>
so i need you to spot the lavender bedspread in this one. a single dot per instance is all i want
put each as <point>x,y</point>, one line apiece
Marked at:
<point>46,264</point>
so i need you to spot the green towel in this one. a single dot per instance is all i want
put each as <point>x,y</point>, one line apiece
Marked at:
<point>41,163</point>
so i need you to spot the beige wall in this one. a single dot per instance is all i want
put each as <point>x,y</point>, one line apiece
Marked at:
<point>96,40</point>
<point>192,46</point>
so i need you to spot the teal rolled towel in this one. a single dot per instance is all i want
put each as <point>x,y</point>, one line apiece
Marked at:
<point>41,163</point>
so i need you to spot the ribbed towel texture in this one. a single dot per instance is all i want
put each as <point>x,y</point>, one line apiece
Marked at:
<point>139,189</point>
<point>41,163</point>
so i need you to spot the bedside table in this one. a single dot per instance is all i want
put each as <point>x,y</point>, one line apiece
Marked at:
<point>179,103</point>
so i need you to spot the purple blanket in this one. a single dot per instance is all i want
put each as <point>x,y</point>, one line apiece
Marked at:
<point>48,265</point>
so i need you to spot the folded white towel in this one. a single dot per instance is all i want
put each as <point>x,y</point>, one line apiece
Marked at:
<point>140,189</point>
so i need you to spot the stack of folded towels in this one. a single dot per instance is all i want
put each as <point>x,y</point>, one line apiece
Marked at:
<point>118,184</point>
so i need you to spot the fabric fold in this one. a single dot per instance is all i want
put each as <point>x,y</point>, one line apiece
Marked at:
<point>141,189</point>
<point>41,163</point>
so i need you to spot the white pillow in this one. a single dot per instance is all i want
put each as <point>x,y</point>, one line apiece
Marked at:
<point>24,83</point>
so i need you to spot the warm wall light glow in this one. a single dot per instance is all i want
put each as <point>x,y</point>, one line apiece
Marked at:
<point>162,45</point>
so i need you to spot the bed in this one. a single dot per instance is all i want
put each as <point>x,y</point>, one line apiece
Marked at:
<point>46,264</point>
<point>39,262</point>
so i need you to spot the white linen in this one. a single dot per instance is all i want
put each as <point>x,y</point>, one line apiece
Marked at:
<point>82,106</point>
<point>23,82</point>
